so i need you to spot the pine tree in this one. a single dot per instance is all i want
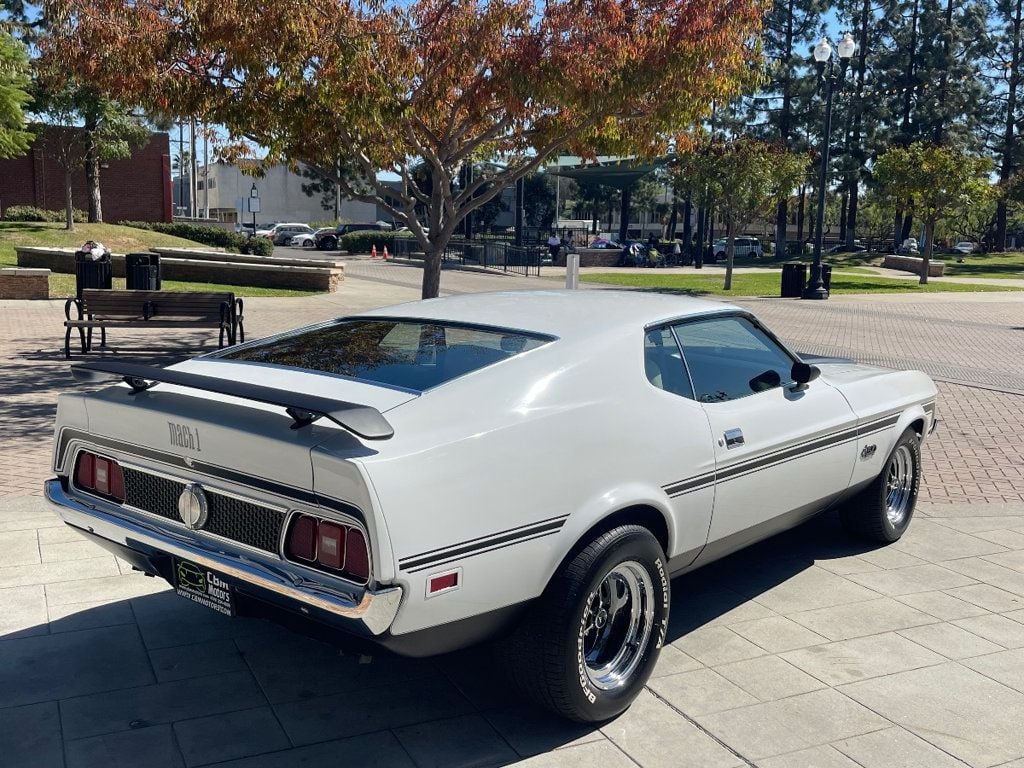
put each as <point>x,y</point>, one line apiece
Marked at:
<point>861,114</point>
<point>929,80</point>
<point>784,105</point>
<point>1004,75</point>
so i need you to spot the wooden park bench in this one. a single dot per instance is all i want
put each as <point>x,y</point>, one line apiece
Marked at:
<point>103,308</point>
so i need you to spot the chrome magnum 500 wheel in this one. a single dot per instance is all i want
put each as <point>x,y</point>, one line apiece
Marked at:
<point>882,511</point>
<point>587,648</point>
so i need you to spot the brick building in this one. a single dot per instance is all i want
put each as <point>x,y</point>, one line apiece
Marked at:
<point>137,189</point>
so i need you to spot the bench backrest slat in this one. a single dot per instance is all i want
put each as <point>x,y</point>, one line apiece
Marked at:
<point>104,304</point>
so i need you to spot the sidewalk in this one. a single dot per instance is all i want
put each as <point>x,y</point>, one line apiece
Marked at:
<point>806,650</point>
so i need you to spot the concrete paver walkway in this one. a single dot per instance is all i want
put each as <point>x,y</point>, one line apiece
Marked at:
<point>807,650</point>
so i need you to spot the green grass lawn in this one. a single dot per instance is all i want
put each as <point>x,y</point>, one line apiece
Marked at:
<point>768,283</point>
<point>1007,265</point>
<point>115,238</point>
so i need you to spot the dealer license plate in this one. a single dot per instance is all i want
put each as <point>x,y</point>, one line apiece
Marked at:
<point>203,586</point>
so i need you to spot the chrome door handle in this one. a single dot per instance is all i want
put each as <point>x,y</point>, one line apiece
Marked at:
<point>733,437</point>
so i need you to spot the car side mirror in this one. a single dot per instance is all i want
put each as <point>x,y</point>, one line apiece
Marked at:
<point>804,373</point>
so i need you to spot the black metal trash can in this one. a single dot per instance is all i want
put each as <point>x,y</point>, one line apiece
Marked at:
<point>826,276</point>
<point>142,271</point>
<point>92,273</point>
<point>794,279</point>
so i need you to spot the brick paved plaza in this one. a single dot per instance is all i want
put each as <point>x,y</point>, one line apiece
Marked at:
<point>806,650</point>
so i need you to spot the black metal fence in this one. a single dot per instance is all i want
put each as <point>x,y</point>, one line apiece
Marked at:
<point>496,254</point>
<point>493,254</point>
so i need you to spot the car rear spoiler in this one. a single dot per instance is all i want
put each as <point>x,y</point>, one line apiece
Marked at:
<point>361,420</point>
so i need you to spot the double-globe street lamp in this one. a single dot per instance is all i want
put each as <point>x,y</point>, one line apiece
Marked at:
<point>830,76</point>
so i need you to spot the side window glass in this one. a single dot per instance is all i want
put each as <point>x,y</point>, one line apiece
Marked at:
<point>730,357</point>
<point>663,363</point>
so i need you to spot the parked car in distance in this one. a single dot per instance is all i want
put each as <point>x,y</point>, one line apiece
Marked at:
<point>308,239</point>
<point>352,477</point>
<point>329,240</point>
<point>283,233</point>
<point>845,248</point>
<point>262,230</point>
<point>909,247</point>
<point>966,247</point>
<point>745,246</point>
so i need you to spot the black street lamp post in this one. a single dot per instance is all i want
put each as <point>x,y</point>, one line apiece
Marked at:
<point>831,76</point>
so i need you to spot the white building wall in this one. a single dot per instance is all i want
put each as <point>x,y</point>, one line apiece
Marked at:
<point>281,197</point>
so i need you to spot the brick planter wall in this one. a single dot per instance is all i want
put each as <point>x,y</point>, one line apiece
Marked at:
<point>18,283</point>
<point>333,262</point>
<point>913,264</point>
<point>227,272</point>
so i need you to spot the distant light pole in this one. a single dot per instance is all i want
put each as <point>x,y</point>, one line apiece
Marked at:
<point>831,76</point>
<point>254,206</point>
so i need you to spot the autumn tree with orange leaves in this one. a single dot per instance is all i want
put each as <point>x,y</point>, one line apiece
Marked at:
<point>391,85</point>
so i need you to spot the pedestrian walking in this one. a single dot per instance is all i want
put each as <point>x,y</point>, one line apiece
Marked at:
<point>677,254</point>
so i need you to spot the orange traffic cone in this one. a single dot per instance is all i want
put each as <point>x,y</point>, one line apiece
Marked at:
<point>385,253</point>
<point>373,251</point>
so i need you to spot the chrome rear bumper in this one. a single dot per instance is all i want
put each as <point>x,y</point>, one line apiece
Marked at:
<point>373,611</point>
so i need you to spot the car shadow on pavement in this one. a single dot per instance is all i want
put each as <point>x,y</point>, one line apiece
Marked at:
<point>146,666</point>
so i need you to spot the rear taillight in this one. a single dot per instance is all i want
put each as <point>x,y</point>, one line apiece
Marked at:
<point>100,475</point>
<point>329,546</point>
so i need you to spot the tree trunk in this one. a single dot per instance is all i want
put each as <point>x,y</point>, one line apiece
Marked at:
<point>785,127</point>
<point>842,217</point>
<point>432,270</point>
<point>856,151</point>
<point>673,217</point>
<point>939,130</point>
<point>812,219</point>
<point>69,203</point>
<point>781,222</point>
<point>908,225</point>
<point>92,171</point>
<point>926,256</point>
<point>851,210</point>
<point>730,251</point>
<point>687,226</point>
<point>800,217</point>
<point>1009,143</point>
<point>897,230</point>
<point>624,216</point>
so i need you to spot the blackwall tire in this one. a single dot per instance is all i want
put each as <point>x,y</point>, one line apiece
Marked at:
<point>882,512</point>
<point>590,642</point>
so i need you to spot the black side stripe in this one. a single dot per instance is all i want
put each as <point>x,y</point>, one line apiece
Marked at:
<point>787,453</point>
<point>479,552</point>
<point>482,543</point>
<point>781,456</point>
<point>698,481</point>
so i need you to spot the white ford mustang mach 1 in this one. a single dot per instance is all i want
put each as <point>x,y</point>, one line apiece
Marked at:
<point>529,467</point>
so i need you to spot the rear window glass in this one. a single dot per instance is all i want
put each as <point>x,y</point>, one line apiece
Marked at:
<point>411,354</point>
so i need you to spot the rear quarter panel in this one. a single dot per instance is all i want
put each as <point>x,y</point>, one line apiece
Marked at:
<point>566,432</point>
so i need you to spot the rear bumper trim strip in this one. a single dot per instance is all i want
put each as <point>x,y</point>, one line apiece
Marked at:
<point>374,610</point>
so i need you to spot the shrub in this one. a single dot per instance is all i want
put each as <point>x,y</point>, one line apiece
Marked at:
<point>213,236</point>
<point>32,213</point>
<point>364,240</point>
<point>257,246</point>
